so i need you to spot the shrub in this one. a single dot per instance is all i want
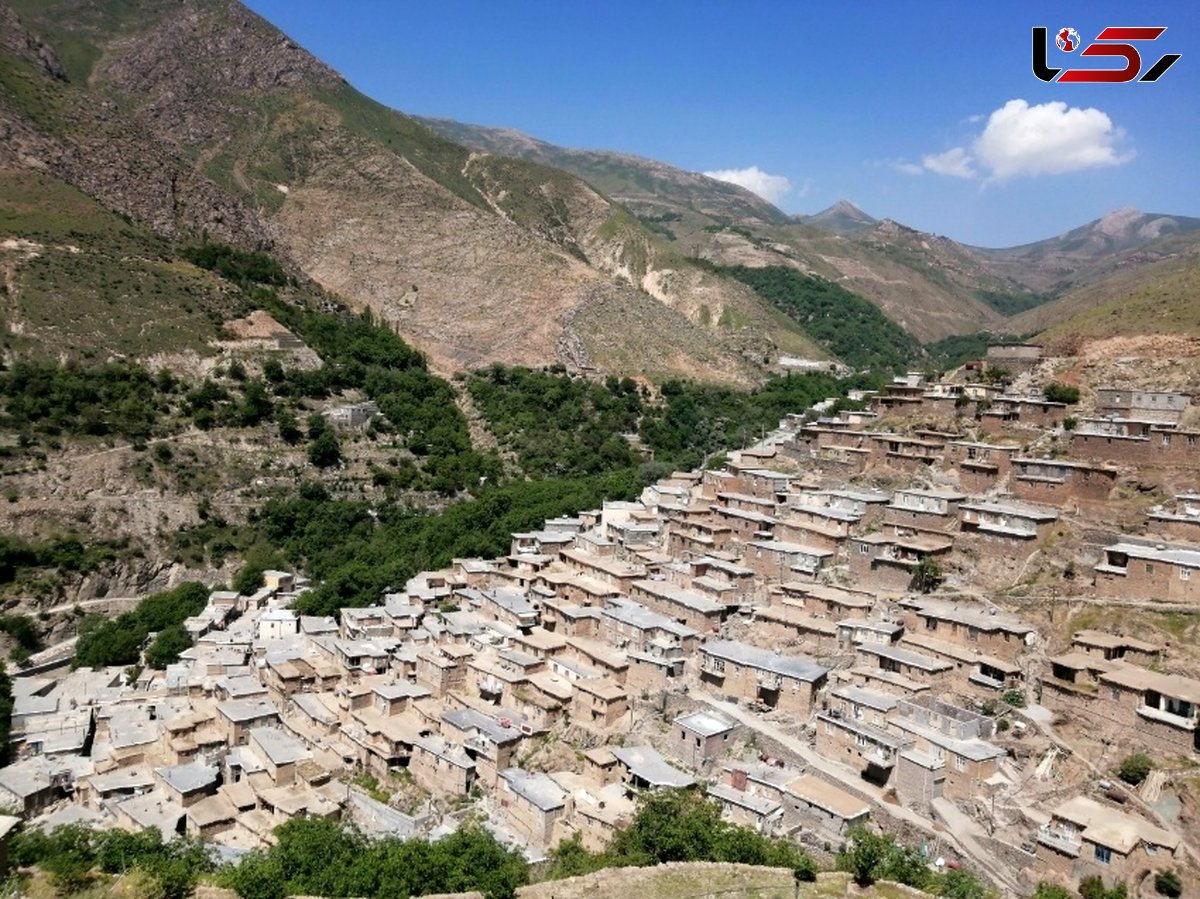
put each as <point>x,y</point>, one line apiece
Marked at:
<point>1168,883</point>
<point>1061,393</point>
<point>1014,698</point>
<point>1135,768</point>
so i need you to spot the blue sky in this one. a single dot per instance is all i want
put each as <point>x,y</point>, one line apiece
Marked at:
<point>905,109</point>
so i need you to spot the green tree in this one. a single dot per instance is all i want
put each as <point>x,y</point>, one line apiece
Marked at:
<point>325,451</point>
<point>1051,891</point>
<point>964,884</point>
<point>866,855</point>
<point>1135,768</point>
<point>927,575</point>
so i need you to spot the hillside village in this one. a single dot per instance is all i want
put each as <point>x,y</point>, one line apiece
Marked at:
<point>864,618</point>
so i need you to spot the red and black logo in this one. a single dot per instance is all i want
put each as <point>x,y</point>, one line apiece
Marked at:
<point>1110,42</point>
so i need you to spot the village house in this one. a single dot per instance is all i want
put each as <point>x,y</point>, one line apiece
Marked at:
<point>1006,525</point>
<point>900,669</point>
<point>1163,407</point>
<point>785,620</point>
<point>814,805</point>
<point>1085,837</point>
<point>949,754</point>
<point>699,737</point>
<point>870,749</point>
<point>750,674</point>
<point>1013,358</point>
<point>1061,481</point>
<point>924,510</point>
<point>643,768</point>
<point>441,767</point>
<point>905,453</point>
<point>688,607</point>
<point>1136,443</point>
<point>1163,572</point>
<point>598,702</point>
<point>968,624</point>
<point>1178,519</point>
<point>980,465</point>
<point>1116,647</point>
<point>533,805</point>
<point>889,563</point>
<point>777,561</point>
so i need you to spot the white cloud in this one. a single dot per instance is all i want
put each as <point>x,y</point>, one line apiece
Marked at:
<point>908,168</point>
<point>1047,139</point>
<point>771,188</point>
<point>955,162</point>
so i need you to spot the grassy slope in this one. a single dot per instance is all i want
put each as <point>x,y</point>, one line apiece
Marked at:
<point>1158,299</point>
<point>90,284</point>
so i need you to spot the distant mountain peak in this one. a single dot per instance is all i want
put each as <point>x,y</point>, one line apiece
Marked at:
<point>842,217</point>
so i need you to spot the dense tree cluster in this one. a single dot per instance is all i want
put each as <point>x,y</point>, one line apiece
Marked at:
<point>314,857</point>
<point>848,326</point>
<point>681,826</point>
<point>354,551</point>
<point>236,265</point>
<point>45,398</point>
<point>558,425</point>
<point>66,553</point>
<point>73,854</point>
<point>870,856</point>
<point>119,641</point>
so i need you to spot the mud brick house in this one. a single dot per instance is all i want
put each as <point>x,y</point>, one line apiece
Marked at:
<point>1041,412</point>
<point>866,505</point>
<point>598,702</point>
<point>643,768</point>
<point>1006,526</point>
<point>1178,520</point>
<point>747,502</point>
<point>1061,481</point>
<point>636,628</point>
<point>867,748</point>
<point>975,673</point>
<point>764,482</point>
<point>1163,572</point>
<point>888,563</point>
<point>725,580</point>
<point>852,631</point>
<point>1085,837</point>
<point>1114,647</point>
<point>441,767</point>
<point>700,736</point>
<point>949,755</point>
<point>745,525</point>
<point>777,561</point>
<point>980,465</point>
<point>1136,443</point>
<point>603,567</point>
<point>967,624</point>
<point>747,809</point>
<point>906,453</point>
<point>699,537</point>
<point>1158,406</point>
<point>924,510</point>
<point>238,717</point>
<point>903,395</point>
<point>901,669</point>
<point>532,804</point>
<point>1014,358</point>
<point>750,674</point>
<point>1161,708</point>
<point>855,703</point>
<point>822,526</point>
<point>834,603</point>
<point>441,669</point>
<point>1153,710</point>
<point>688,607</point>
<point>786,621</point>
<point>814,804</point>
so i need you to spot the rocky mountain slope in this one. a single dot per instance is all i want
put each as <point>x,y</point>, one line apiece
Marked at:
<point>201,118</point>
<point>929,284</point>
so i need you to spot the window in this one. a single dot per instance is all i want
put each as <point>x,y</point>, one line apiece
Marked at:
<point>1103,854</point>
<point>1185,574</point>
<point>973,634</point>
<point>864,549</point>
<point>1149,568</point>
<point>860,739</point>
